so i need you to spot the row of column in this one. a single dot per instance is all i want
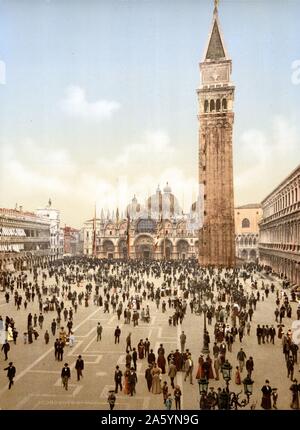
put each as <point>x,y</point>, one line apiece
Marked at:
<point>282,266</point>
<point>285,233</point>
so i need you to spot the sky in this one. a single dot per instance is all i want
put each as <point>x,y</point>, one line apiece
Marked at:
<point>98,99</point>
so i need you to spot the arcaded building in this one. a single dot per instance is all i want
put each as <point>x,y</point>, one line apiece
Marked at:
<point>279,245</point>
<point>24,239</point>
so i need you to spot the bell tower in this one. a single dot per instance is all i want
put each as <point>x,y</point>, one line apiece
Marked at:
<point>216,117</point>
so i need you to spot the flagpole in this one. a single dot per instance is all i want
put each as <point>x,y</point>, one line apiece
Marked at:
<point>163,223</point>
<point>94,234</point>
<point>128,235</point>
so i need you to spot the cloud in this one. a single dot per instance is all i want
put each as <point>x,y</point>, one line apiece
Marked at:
<point>154,146</point>
<point>264,158</point>
<point>75,105</point>
<point>34,172</point>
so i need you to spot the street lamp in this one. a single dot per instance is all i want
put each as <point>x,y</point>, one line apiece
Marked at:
<point>226,369</point>
<point>248,387</point>
<point>203,386</point>
<point>205,349</point>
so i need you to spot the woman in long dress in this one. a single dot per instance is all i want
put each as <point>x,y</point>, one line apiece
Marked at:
<point>295,395</point>
<point>237,376</point>
<point>210,369</point>
<point>156,386</point>
<point>10,334</point>
<point>126,380</point>
<point>141,349</point>
<point>200,371</point>
<point>161,361</point>
<point>266,397</point>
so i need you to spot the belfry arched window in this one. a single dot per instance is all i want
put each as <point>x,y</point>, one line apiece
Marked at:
<point>212,105</point>
<point>218,105</point>
<point>224,104</point>
<point>206,106</point>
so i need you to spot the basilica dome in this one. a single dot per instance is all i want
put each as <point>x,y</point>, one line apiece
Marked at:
<point>133,209</point>
<point>163,204</point>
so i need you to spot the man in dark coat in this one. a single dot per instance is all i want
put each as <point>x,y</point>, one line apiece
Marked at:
<point>266,398</point>
<point>128,343</point>
<point>5,348</point>
<point>79,366</point>
<point>60,350</point>
<point>134,358</point>
<point>172,373</point>
<point>111,399</point>
<point>65,375</point>
<point>117,335</point>
<point>147,347</point>
<point>118,379</point>
<point>53,327</point>
<point>249,366</point>
<point>99,331</point>
<point>258,334</point>
<point>290,367</point>
<point>132,380</point>
<point>272,334</point>
<point>294,350</point>
<point>11,373</point>
<point>151,357</point>
<point>148,377</point>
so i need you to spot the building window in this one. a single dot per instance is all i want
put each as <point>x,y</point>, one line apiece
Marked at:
<point>206,106</point>
<point>146,226</point>
<point>245,223</point>
<point>110,233</point>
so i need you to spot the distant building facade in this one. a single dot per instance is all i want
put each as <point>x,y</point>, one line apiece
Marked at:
<point>247,218</point>
<point>156,230</point>
<point>53,215</point>
<point>24,239</point>
<point>279,245</point>
<point>72,241</point>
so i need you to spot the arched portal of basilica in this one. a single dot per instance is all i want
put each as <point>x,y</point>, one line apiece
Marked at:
<point>144,247</point>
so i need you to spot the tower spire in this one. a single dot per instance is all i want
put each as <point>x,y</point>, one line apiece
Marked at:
<point>215,49</point>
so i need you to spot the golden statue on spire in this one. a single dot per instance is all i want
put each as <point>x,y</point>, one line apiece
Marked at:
<point>216,6</point>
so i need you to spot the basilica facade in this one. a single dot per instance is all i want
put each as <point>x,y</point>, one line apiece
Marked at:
<point>157,229</point>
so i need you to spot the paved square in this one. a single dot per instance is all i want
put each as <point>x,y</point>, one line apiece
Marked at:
<point>38,383</point>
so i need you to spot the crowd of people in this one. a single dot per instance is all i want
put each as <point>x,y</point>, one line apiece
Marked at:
<point>128,289</point>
